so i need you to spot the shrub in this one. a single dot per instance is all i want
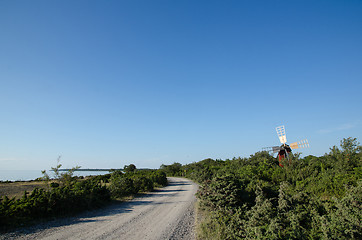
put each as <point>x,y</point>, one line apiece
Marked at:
<point>121,186</point>
<point>309,198</point>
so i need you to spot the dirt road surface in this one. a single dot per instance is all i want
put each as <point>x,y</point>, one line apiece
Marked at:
<point>167,213</point>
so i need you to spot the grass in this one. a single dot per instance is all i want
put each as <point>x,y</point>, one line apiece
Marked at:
<point>16,189</point>
<point>206,228</point>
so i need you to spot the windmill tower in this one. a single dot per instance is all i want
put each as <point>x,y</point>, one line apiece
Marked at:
<point>284,150</point>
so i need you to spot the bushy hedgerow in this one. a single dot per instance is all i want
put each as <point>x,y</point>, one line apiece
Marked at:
<point>68,195</point>
<point>158,178</point>
<point>124,184</point>
<point>56,201</point>
<point>255,198</point>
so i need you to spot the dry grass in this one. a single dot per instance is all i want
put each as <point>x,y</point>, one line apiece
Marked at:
<point>16,189</point>
<point>205,226</point>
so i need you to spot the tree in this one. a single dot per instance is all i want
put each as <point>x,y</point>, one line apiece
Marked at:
<point>65,179</point>
<point>173,169</point>
<point>129,168</point>
<point>350,145</point>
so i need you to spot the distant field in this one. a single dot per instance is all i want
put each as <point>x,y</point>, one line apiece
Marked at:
<point>16,189</point>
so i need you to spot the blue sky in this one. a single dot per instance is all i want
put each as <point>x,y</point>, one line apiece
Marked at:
<point>109,83</point>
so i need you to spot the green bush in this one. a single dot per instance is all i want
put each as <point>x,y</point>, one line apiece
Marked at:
<point>308,198</point>
<point>159,178</point>
<point>42,203</point>
<point>135,181</point>
<point>121,186</point>
<point>80,194</point>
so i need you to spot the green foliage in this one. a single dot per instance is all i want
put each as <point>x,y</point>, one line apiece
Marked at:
<point>121,186</point>
<point>68,195</point>
<point>309,198</point>
<point>42,203</point>
<point>63,179</point>
<point>129,168</point>
<point>220,192</point>
<point>344,219</point>
<point>173,169</point>
<point>159,178</point>
<point>133,182</point>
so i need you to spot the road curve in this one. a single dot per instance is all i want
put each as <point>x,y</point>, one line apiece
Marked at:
<point>167,213</point>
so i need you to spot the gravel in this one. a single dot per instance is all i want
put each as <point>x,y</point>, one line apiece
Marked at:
<point>167,213</point>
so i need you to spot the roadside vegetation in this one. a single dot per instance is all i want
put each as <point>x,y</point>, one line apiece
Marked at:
<point>239,198</point>
<point>254,198</point>
<point>17,188</point>
<point>66,194</point>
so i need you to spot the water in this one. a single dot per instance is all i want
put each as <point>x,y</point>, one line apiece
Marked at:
<point>26,175</point>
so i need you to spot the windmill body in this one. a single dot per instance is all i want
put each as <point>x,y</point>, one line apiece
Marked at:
<point>284,150</point>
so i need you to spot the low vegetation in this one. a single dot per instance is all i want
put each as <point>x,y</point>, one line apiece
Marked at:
<point>17,189</point>
<point>239,198</point>
<point>66,194</point>
<point>254,198</point>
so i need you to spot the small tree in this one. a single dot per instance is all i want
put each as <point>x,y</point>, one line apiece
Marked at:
<point>173,169</point>
<point>350,145</point>
<point>65,178</point>
<point>129,168</point>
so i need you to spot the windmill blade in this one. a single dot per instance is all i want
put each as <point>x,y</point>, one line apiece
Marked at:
<point>281,134</point>
<point>301,144</point>
<point>274,149</point>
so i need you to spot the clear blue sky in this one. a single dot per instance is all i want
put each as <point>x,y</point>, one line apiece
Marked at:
<point>109,83</point>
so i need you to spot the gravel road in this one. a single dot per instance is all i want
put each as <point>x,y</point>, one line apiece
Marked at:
<point>167,213</point>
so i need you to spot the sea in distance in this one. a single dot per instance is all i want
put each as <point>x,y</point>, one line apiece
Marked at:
<point>27,175</point>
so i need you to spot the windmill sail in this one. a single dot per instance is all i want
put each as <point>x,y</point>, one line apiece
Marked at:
<point>301,144</point>
<point>274,149</point>
<point>281,134</point>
